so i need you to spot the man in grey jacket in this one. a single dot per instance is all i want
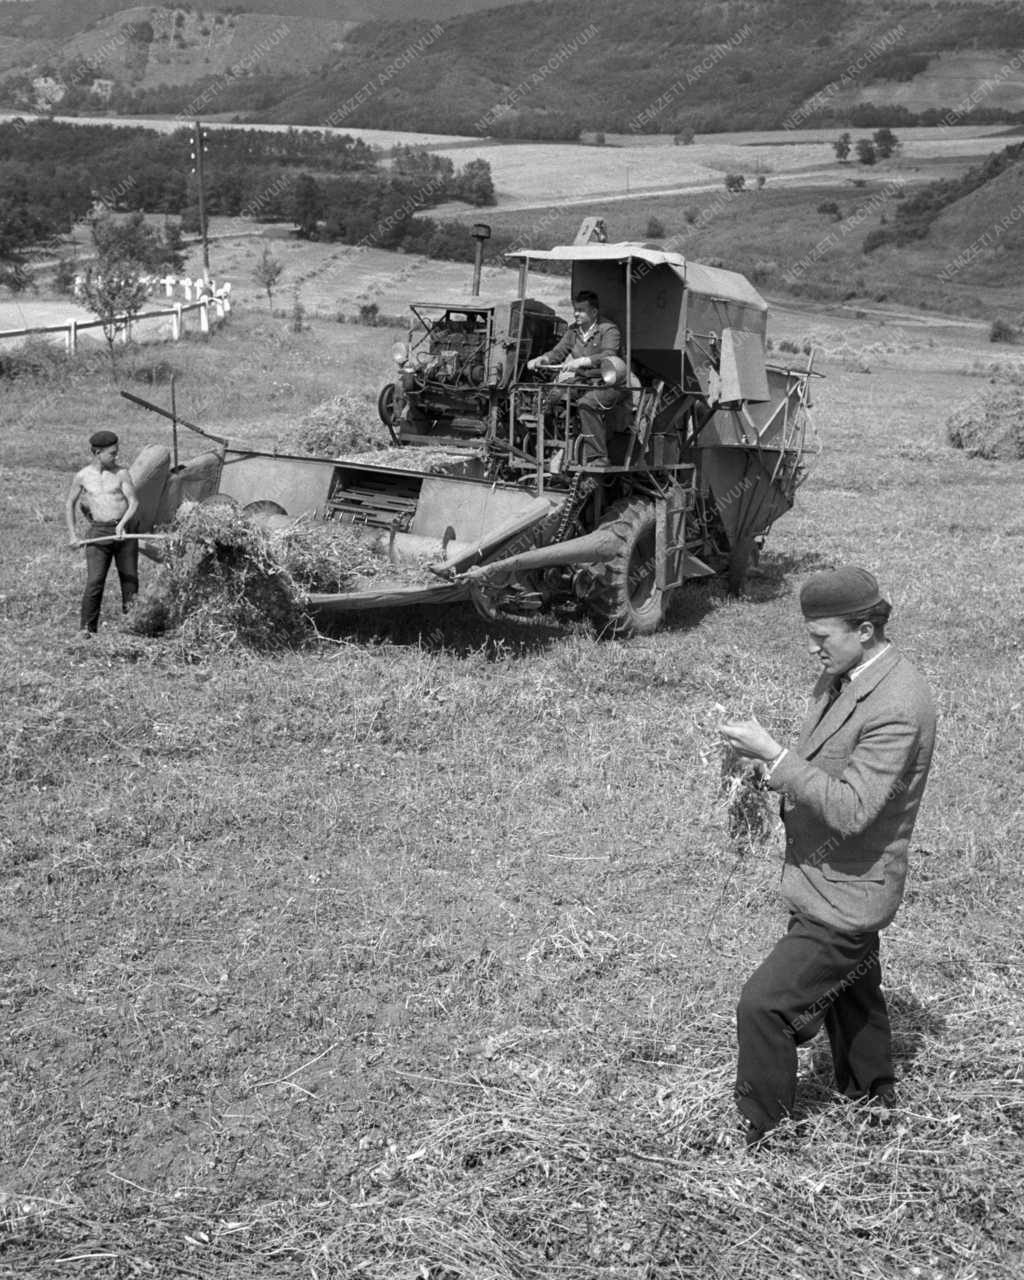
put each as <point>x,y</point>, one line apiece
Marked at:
<point>579,353</point>
<point>851,788</point>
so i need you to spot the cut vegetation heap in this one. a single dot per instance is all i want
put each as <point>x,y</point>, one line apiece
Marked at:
<point>229,577</point>
<point>990,425</point>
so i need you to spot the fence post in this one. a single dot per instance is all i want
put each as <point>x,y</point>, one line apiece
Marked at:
<point>72,338</point>
<point>204,316</point>
<point>176,323</point>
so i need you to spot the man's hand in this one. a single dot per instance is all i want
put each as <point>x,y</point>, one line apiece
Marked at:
<point>750,739</point>
<point>119,529</point>
<point>74,540</point>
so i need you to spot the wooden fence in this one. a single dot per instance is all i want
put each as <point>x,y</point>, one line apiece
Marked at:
<point>209,305</point>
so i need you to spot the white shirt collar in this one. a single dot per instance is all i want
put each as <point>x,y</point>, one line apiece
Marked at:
<point>861,667</point>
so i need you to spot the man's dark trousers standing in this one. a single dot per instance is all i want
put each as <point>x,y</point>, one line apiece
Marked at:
<point>814,975</point>
<point>98,557</point>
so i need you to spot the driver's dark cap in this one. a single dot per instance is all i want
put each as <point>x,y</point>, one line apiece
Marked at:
<point>102,439</point>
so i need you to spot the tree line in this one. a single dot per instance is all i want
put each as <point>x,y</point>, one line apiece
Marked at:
<point>53,175</point>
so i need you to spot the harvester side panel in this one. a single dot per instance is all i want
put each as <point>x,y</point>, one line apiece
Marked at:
<point>659,311</point>
<point>300,485</point>
<point>470,509</point>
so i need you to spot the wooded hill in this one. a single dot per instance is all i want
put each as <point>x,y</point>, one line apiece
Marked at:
<point>53,174</point>
<point>644,66</point>
<point>648,66</point>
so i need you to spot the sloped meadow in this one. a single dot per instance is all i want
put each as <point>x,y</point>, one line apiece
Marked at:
<point>411,953</point>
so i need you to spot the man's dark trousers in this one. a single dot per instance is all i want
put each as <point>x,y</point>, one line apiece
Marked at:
<point>814,975</point>
<point>125,554</point>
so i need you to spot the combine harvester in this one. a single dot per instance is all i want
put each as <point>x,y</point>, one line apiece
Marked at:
<point>707,447</point>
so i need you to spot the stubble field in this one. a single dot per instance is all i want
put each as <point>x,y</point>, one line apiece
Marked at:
<point>413,955</point>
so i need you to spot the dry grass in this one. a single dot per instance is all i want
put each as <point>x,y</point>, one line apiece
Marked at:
<point>414,954</point>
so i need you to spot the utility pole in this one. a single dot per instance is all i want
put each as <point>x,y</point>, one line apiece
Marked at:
<point>197,153</point>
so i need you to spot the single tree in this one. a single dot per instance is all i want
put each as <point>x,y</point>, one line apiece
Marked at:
<point>267,272</point>
<point>735,182</point>
<point>132,239</point>
<point>655,229</point>
<point>866,151</point>
<point>886,143</point>
<point>475,183</point>
<point>114,291</point>
<point>308,206</point>
<point>842,146</point>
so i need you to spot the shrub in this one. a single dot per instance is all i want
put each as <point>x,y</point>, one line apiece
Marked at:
<point>298,317</point>
<point>763,270</point>
<point>64,275</point>
<point>35,358</point>
<point>831,208</point>
<point>1002,331</point>
<point>155,372</point>
<point>655,229</point>
<point>875,239</point>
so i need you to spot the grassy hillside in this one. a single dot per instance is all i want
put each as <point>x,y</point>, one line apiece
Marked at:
<point>742,65</point>
<point>648,66</point>
<point>415,954</point>
<point>146,47</point>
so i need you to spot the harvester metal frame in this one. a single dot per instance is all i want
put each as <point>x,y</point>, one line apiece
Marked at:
<point>707,446</point>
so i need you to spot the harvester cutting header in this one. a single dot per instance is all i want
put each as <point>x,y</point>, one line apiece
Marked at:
<point>609,479</point>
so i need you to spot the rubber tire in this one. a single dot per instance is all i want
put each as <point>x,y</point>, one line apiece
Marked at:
<point>386,410</point>
<point>626,610</point>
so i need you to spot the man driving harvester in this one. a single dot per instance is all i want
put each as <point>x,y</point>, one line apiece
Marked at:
<point>586,342</point>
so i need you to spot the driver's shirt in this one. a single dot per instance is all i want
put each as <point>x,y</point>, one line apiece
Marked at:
<point>600,340</point>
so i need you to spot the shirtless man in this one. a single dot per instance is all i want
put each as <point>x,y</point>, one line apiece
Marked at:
<point>107,498</point>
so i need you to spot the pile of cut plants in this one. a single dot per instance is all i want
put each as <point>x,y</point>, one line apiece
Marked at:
<point>990,425</point>
<point>226,579</point>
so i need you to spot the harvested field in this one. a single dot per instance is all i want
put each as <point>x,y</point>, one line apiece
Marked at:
<point>414,954</point>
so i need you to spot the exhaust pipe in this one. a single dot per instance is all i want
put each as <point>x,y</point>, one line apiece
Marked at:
<point>480,232</point>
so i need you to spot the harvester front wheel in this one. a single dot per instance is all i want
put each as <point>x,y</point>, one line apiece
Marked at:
<point>387,410</point>
<point>626,597</point>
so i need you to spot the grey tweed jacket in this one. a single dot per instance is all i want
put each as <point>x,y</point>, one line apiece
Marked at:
<point>851,790</point>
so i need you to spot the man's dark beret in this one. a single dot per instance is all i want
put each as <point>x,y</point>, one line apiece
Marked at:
<point>840,593</point>
<point>102,439</point>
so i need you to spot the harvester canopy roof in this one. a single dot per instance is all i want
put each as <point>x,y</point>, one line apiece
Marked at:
<point>481,304</point>
<point>710,282</point>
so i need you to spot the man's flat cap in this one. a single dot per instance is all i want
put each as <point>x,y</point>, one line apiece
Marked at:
<point>102,439</point>
<point>840,593</point>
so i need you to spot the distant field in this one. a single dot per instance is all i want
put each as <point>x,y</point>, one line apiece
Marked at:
<point>383,138</point>
<point>535,172</point>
